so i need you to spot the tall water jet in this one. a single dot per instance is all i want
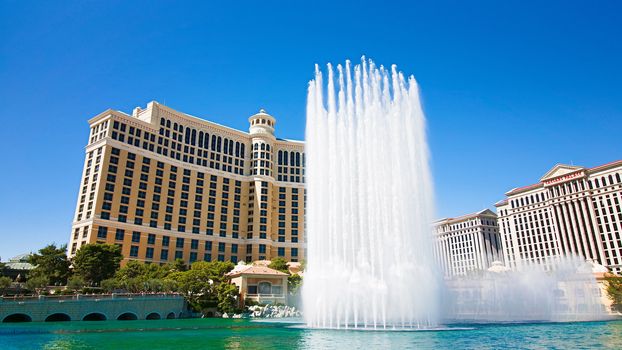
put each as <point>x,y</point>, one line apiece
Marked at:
<point>369,202</point>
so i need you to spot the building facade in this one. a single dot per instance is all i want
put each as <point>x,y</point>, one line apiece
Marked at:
<point>468,243</point>
<point>165,185</point>
<point>573,210</point>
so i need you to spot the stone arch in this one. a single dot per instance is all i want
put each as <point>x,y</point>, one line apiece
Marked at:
<point>18,317</point>
<point>95,316</point>
<point>170,316</point>
<point>153,316</point>
<point>127,316</point>
<point>58,317</point>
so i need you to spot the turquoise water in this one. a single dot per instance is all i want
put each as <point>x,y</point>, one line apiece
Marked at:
<point>245,334</point>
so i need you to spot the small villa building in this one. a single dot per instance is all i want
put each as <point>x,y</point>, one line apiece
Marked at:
<point>259,283</point>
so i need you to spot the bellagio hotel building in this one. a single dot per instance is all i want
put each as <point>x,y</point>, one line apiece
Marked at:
<point>165,185</point>
<point>572,210</point>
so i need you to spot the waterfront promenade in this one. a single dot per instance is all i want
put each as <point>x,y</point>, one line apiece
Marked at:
<point>96,307</point>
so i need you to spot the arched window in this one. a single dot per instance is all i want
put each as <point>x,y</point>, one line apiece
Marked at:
<point>242,147</point>
<point>237,149</point>
<point>303,160</point>
<point>285,156</point>
<point>226,145</point>
<point>213,143</point>
<point>604,181</point>
<point>264,288</point>
<point>168,123</point>
<point>280,157</point>
<point>256,146</point>
<point>187,135</point>
<point>618,178</point>
<point>230,147</point>
<point>162,122</point>
<point>263,146</point>
<point>219,144</point>
<point>297,158</point>
<point>200,138</point>
<point>194,137</point>
<point>175,126</point>
<point>610,179</point>
<point>596,183</point>
<point>267,147</point>
<point>291,158</point>
<point>206,141</point>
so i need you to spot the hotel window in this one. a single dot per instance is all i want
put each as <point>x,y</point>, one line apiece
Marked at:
<point>179,243</point>
<point>136,237</point>
<point>281,251</point>
<point>164,254</point>
<point>179,254</point>
<point>102,232</point>
<point>119,235</point>
<point>151,239</point>
<point>262,248</point>
<point>134,251</point>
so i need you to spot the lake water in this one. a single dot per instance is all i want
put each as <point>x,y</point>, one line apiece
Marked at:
<point>245,334</point>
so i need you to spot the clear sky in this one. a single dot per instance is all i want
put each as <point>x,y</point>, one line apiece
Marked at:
<point>510,88</point>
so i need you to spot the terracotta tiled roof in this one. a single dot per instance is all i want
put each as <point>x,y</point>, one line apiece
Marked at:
<point>254,270</point>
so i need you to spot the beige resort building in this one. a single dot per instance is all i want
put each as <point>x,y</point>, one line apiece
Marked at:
<point>164,185</point>
<point>467,243</point>
<point>571,210</point>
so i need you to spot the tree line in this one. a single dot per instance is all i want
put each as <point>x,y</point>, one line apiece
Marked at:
<point>96,268</point>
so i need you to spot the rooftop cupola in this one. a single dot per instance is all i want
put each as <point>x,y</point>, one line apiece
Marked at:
<point>261,123</point>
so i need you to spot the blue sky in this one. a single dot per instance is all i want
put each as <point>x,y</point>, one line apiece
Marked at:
<point>510,88</point>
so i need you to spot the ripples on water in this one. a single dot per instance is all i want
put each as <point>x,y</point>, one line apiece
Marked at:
<point>244,334</point>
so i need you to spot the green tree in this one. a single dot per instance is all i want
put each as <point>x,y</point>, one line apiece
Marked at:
<point>36,283</point>
<point>110,284</point>
<point>97,262</point>
<point>294,282</point>
<point>198,284</point>
<point>614,290</point>
<point>228,298</point>
<point>51,263</point>
<point>5,283</point>
<point>279,264</point>
<point>75,283</point>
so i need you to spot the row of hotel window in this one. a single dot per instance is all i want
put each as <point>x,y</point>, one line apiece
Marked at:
<point>567,188</point>
<point>225,154</point>
<point>233,153</point>
<point>102,234</point>
<point>183,203</point>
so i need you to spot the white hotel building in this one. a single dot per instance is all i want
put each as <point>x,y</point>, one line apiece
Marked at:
<point>572,210</point>
<point>467,243</point>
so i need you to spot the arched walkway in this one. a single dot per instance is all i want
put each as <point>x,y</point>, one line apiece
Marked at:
<point>57,317</point>
<point>153,316</point>
<point>128,316</point>
<point>170,315</point>
<point>17,318</point>
<point>95,316</point>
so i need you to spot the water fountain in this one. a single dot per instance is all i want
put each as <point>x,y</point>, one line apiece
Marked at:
<point>369,203</point>
<point>369,213</point>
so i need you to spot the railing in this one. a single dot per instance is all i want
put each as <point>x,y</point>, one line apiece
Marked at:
<point>61,298</point>
<point>265,296</point>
